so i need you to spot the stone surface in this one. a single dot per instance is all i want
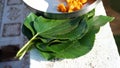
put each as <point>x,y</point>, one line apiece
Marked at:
<point>11,29</point>
<point>14,2</point>
<point>103,55</point>
<point>12,15</point>
<point>1,12</point>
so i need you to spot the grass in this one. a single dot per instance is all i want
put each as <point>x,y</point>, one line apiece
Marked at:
<point>117,40</point>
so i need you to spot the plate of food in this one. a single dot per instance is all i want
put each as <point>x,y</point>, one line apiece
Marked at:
<point>62,9</point>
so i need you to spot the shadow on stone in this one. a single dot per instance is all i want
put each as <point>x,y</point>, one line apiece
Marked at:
<point>7,53</point>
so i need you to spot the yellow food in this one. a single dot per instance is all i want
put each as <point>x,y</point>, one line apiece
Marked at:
<point>62,8</point>
<point>83,1</point>
<point>71,5</point>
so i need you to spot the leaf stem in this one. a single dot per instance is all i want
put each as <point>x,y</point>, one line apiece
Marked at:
<point>25,48</point>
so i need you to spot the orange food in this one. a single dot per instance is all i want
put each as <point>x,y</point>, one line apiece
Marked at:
<point>83,1</point>
<point>71,5</point>
<point>62,8</point>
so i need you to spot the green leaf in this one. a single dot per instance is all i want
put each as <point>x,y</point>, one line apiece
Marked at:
<point>26,32</point>
<point>74,49</point>
<point>41,47</point>
<point>71,49</point>
<point>42,24</point>
<point>50,27</point>
<point>77,33</point>
<point>90,14</point>
<point>29,22</point>
<point>98,21</point>
<point>62,28</point>
<point>46,55</point>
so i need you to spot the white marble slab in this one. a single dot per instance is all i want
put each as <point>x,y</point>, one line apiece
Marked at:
<point>103,55</point>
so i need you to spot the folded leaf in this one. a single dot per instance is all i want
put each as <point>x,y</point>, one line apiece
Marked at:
<point>42,24</point>
<point>29,22</point>
<point>71,49</point>
<point>62,28</point>
<point>27,32</point>
<point>77,33</point>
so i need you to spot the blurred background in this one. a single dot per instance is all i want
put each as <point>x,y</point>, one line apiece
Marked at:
<point>112,9</point>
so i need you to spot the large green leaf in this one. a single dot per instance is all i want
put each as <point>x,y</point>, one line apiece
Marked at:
<point>68,33</point>
<point>63,28</point>
<point>43,24</point>
<point>77,33</point>
<point>49,27</point>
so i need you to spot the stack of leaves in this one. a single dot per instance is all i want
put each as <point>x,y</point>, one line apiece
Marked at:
<point>68,38</point>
